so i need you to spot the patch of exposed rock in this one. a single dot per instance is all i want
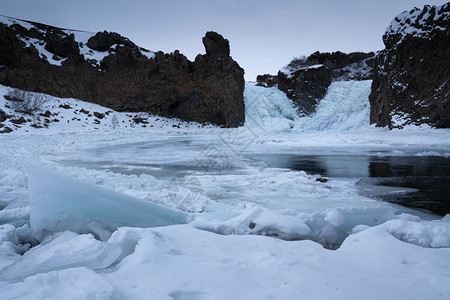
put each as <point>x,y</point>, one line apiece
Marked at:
<point>267,80</point>
<point>351,66</point>
<point>305,86</point>
<point>306,80</point>
<point>411,76</point>
<point>108,69</point>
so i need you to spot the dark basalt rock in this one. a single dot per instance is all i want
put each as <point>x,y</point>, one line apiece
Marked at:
<point>267,80</point>
<point>305,86</point>
<point>61,45</point>
<point>335,60</point>
<point>102,41</point>
<point>216,45</point>
<point>3,116</point>
<point>351,66</point>
<point>412,74</point>
<point>128,78</point>
<point>306,80</point>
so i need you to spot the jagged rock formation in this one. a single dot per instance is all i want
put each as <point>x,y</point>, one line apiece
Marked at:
<point>110,70</point>
<point>305,86</point>
<point>411,76</point>
<point>305,80</point>
<point>351,66</point>
<point>267,80</point>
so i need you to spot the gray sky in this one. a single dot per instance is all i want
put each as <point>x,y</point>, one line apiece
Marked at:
<point>264,35</point>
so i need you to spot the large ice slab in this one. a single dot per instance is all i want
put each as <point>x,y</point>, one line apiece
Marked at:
<point>59,203</point>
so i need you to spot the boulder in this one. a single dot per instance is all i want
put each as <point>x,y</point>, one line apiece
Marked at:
<point>412,74</point>
<point>102,41</point>
<point>61,45</point>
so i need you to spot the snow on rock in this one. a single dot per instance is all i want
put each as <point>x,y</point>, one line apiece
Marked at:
<point>419,22</point>
<point>417,42</point>
<point>60,203</point>
<point>81,38</point>
<point>289,70</point>
<point>66,250</point>
<point>72,115</point>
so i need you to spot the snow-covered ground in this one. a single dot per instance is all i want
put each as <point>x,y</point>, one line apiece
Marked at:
<point>243,229</point>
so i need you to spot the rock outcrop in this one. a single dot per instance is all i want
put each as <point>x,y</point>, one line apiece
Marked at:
<point>267,80</point>
<point>411,75</point>
<point>108,69</point>
<point>305,86</point>
<point>305,80</point>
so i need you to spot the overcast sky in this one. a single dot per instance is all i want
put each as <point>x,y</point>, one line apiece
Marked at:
<point>264,35</point>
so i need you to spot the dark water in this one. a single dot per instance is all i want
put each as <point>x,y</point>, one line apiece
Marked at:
<point>421,182</point>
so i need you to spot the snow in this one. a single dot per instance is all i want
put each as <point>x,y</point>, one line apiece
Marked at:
<point>417,22</point>
<point>81,37</point>
<point>289,70</point>
<point>177,262</point>
<point>10,21</point>
<point>44,54</point>
<point>253,230</point>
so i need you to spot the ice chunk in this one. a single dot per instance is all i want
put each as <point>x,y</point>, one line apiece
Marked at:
<point>432,234</point>
<point>74,283</point>
<point>67,250</point>
<point>335,218</point>
<point>16,216</point>
<point>328,227</point>
<point>60,203</point>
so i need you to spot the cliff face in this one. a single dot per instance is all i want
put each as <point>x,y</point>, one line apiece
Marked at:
<point>306,80</point>
<point>411,75</point>
<point>305,86</point>
<point>110,70</point>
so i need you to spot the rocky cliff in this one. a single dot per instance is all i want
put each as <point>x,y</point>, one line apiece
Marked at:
<point>108,69</point>
<point>305,80</point>
<point>411,75</point>
<point>305,86</point>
